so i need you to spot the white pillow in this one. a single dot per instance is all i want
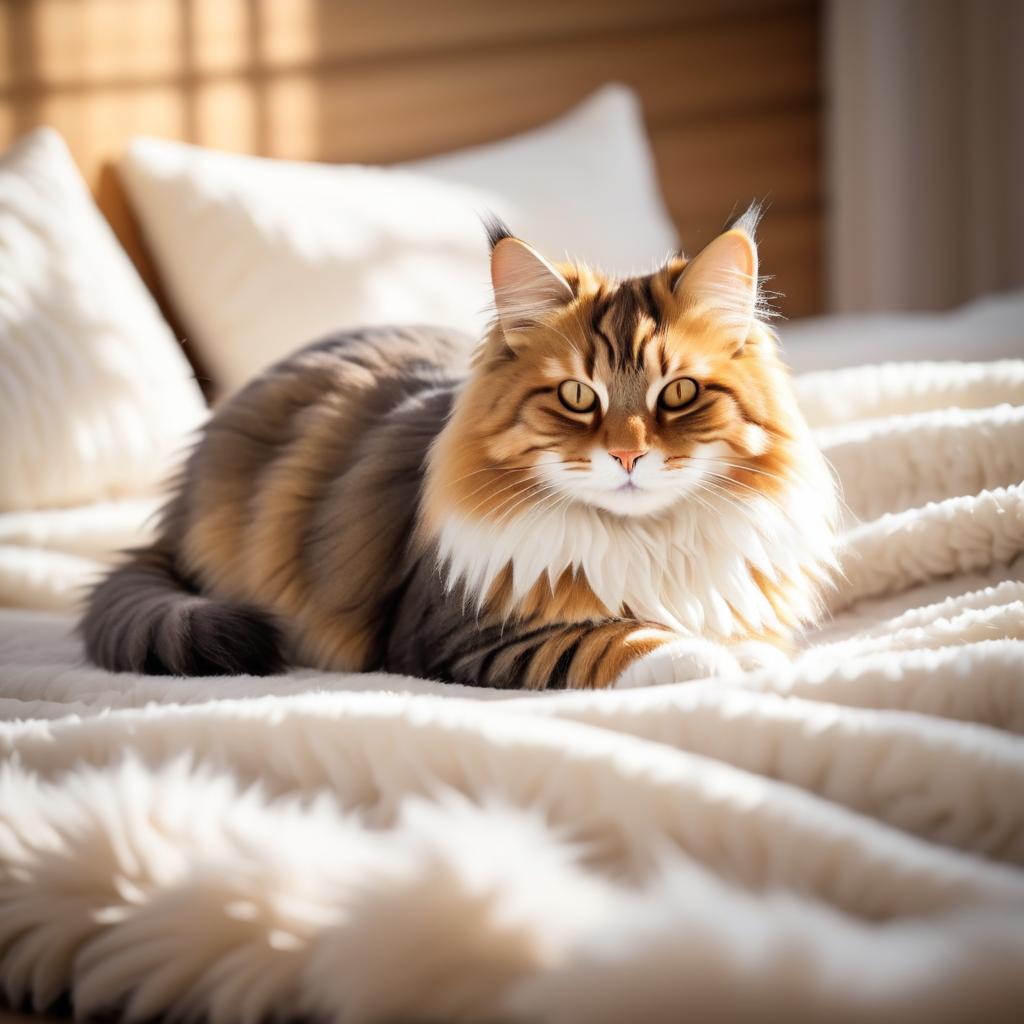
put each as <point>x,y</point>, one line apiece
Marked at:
<point>582,187</point>
<point>96,398</point>
<point>262,256</point>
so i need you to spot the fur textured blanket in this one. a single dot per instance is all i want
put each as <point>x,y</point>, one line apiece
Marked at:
<point>838,838</point>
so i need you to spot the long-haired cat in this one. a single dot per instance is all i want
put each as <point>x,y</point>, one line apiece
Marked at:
<point>620,490</point>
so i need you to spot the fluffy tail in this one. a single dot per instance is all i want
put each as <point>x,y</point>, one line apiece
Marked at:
<point>143,617</point>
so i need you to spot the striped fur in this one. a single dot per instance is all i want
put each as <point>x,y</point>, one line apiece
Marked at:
<point>376,502</point>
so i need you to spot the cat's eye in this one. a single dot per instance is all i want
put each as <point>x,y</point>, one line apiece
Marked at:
<point>577,396</point>
<point>679,394</point>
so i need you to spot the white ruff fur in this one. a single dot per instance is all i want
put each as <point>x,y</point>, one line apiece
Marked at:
<point>687,567</point>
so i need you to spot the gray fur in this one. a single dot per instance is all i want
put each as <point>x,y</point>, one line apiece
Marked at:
<point>152,615</point>
<point>144,618</point>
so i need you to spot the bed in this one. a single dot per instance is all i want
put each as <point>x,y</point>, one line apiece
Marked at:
<point>842,836</point>
<point>837,837</point>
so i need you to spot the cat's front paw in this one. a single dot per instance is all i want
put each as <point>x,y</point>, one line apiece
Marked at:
<point>755,654</point>
<point>679,661</point>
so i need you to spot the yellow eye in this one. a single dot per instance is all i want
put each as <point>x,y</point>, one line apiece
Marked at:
<point>577,396</point>
<point>679,394</point>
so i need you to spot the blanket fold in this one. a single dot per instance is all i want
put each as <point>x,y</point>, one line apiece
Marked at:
<point>840,837</point>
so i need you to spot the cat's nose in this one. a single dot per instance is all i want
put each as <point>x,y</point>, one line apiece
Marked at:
<point>627,460</point>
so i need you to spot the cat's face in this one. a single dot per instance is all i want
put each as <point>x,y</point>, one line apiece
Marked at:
<point>626,396</point>
<point>627,401</point>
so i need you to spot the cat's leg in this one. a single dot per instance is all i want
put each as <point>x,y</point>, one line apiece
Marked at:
<point>685,658</point>
<point>679,660</point>
<point>582,655</point>
<point>759,654</point>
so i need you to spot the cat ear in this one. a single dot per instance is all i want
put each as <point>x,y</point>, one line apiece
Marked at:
<point>526,286</point>
<point>722,278</point>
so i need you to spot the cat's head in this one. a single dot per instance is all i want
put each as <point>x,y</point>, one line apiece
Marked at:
<point>632,446</point>
<point>628,396</point>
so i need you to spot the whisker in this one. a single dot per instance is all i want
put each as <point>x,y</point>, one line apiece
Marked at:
<point>535,487</point>
<point>729,480</point>
<point>489,469</point>
<point>501,490</point>
<point>731,465</point>
<point>732,480</point>
<point>745,469</point>
<point>838,485</point>
<point>554,502</point>
<point>792,477</point>
<point>744,509</point>
<point>539,489</point>
<point>712,488</point>
<point>696,495</point>
<point>753,490</point>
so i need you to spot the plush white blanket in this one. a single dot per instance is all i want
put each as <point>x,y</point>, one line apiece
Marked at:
<point>840,840</point>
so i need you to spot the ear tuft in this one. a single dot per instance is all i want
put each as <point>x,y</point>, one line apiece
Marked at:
<point>526,286</point>
<point>748,221</point>
<point>496,229</point>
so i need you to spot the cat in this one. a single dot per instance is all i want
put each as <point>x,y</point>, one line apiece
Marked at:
<point>616,489</point>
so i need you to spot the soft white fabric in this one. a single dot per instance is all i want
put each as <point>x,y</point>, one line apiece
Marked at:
<point>48,557</point>
<point>840,838</point>
<point>262,256</point>
<point>991,328</point>
<point>96,398</point>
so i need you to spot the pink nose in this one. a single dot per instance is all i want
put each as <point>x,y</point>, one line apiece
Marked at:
<point>626,459</point>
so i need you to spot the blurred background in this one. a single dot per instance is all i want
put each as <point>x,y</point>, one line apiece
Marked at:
<point>886,135</point>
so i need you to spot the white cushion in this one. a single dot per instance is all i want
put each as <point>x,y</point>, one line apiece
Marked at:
<point>262,256</point>
<point>96,398</point>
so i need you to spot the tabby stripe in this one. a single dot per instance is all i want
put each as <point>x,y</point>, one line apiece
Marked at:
<point>483,672</point>
<point>525,670</point>
<point>503,644</point>
<point>516,675</point>
<point>663,359</point>
<point>744,413</point>
<point>652,303</point>
<point>547,653</point>
<point>485,645</point>
<point>449,654</point>
<point>596,320</point>
<point>559,677</point>
<point>619,324</point>
<point>557,655</point>
<point>521,406</point>
<point>629,310</point>
<point>566,421</point>
<point>591,357</point>
<point>592,661</point>
<point>641,350</point>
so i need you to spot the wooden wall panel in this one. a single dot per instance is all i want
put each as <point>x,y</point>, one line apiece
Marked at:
<point>372,112</point>
<point>730,90</point>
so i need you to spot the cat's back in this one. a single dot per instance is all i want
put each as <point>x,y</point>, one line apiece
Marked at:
<point>314,468</point>
<point>320,403</point>
<point>363,368</point>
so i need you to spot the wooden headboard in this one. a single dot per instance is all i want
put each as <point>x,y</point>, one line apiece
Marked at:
<point>730,91</point>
